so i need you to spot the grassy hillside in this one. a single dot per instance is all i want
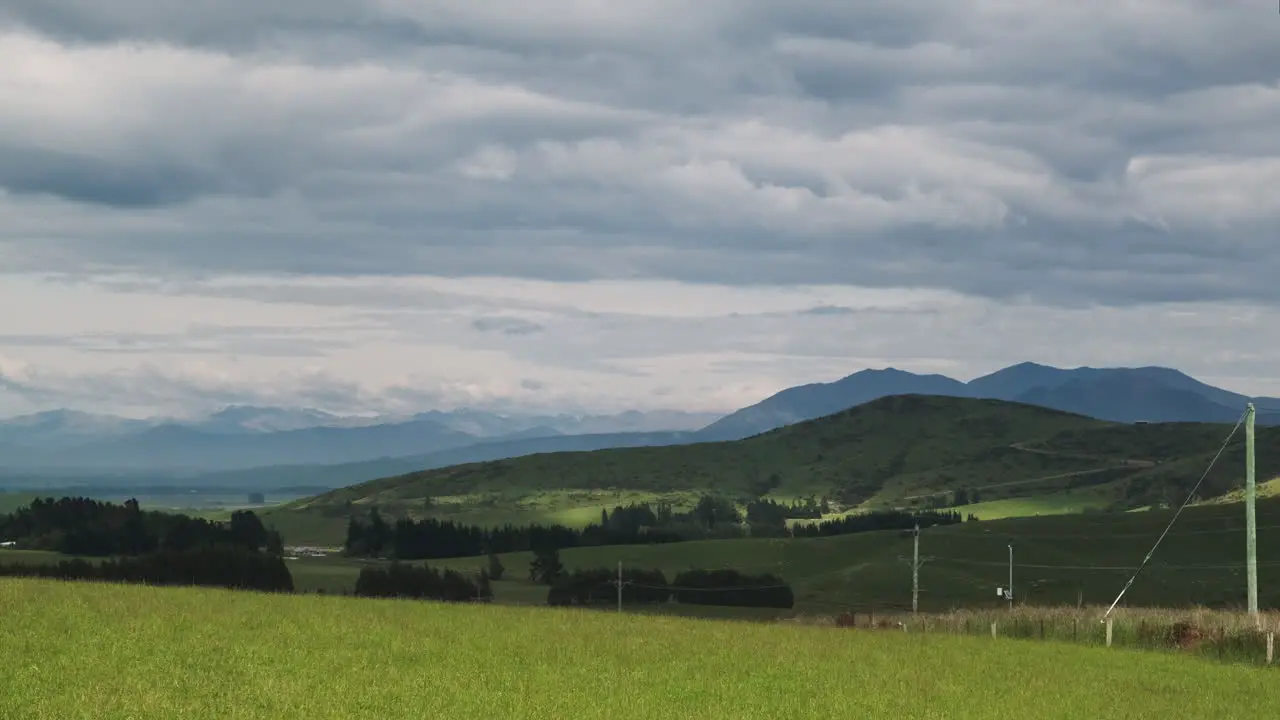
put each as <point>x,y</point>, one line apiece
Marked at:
<point>134,652</point>
<point>906,451</point>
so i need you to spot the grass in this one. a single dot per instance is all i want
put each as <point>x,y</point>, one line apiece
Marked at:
<point>904,451</point>
<point>1059,560</point>
<point>104,651</point>
<point>1063,503</point>
<point>10,501</point>
<point>1267,489</point>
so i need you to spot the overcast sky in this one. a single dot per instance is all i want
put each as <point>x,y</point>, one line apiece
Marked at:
<point>597,205</point>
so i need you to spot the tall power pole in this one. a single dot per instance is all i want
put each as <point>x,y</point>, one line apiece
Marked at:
<point>916,561</point>
<point>1010,577</point>
<point>1250,501</point>
<point>915,572</point>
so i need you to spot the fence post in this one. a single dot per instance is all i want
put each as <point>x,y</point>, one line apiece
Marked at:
<point>1271,647</point>
<point>1108,632</point>
<point>993,629</point>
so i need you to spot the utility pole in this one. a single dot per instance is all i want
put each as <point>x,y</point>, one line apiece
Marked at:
<point>915,572</point>
<point>619,586</point>
<point>1250,502</point>
<point>1011,577</point>
<point>916,561</point>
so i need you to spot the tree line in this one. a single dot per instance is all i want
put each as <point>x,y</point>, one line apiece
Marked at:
<point>210,566</point>
<point>399,580</point>
<point>634,524</point>
<point>149,547</point>
<point>877,520</point>
<point>81,526</point>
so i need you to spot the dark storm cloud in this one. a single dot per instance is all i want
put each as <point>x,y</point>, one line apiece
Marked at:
<point>141,183</point>
<point>1068,152</point>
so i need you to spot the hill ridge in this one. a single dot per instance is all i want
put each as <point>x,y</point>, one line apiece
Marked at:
<point>899,451</point>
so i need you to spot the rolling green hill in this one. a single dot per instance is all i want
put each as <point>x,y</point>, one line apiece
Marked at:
<point>902,451</point>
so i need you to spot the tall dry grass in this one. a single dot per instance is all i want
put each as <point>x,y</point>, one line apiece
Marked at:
<point>1228,635</point>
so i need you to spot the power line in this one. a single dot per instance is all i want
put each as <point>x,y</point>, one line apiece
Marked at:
<point>1107,568</point>
<point>1174,519</point>
<point>1112,536</point>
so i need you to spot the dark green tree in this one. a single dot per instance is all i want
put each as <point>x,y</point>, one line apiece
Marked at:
<point>378,535</point>
<point>484,591</point>
<point>546,566</point>
<point>275,543</point>
<point>247,530</point>
<point>496,568</point>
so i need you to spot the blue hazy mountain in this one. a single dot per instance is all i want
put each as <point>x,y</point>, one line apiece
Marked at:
<point>1148,394</point>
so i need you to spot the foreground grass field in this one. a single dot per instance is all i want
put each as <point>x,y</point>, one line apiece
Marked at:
<point>106,651</point>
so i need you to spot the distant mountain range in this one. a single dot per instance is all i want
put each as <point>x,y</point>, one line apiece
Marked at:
<point>246,446</point>
<point>1146,394</point>
<point>244,437</point>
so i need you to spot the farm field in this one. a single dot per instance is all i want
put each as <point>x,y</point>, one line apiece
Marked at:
<point>1068,502</point>
<point>1063,559</point>
<point>209,653</point>
<point>1058,560</point>
<point>202,504</point>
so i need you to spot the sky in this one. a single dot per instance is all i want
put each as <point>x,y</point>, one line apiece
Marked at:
<point>590,206</point>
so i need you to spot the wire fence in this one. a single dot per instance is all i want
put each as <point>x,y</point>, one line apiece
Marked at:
<point>1221,635</point>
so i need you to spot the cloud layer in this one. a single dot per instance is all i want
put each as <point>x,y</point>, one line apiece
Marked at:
<point>1009,163</point>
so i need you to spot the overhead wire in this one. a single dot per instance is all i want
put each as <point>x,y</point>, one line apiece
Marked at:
<point>1177,514</point>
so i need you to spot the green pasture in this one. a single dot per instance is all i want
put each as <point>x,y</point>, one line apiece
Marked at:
<point>108,652</point>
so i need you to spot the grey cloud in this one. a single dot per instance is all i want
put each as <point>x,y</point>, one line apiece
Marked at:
<point>153,389</point>
<point>1007,151</point>
<point>86,179</point>
<point>506,325</point>
<point>296,342</point>
<point>828,310</point>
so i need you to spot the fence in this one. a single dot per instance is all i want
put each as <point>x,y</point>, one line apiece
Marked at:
<point>1221,635</point>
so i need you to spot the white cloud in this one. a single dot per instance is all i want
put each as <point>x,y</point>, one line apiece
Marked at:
<point>394,201</point>
<point>365,344</point>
